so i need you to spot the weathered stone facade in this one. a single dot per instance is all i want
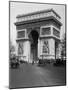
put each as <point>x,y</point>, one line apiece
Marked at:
<point>38,35</point>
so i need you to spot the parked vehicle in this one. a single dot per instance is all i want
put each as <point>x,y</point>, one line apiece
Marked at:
<point>22,61</point>
<point>41,63</point>
<point>14,62</point>
<point>60,62</point>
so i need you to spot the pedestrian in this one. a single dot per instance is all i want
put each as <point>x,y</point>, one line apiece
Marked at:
<point>32,62</point>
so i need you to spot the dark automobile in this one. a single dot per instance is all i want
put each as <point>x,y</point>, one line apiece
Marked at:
<point>60,62</point>
<point>22,61</point>
<point>14,62</point>
<point>41,63</point>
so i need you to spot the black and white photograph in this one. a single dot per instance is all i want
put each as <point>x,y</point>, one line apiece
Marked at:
<point>37,44</point>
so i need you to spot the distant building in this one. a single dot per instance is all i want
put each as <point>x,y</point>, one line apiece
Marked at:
<point>38,35</point>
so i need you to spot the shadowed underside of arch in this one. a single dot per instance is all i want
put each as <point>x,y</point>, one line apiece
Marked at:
<point>33,36</point>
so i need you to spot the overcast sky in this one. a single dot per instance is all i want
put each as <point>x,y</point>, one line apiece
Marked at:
<point>17,8</point>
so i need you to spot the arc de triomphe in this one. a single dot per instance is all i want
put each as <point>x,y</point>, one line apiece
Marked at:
<point>38,35</point>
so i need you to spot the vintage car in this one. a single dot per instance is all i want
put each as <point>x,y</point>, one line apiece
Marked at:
<point>60,62</point>
<point>14,62</point>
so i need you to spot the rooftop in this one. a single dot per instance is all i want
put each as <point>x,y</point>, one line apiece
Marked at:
<point>39,12</point>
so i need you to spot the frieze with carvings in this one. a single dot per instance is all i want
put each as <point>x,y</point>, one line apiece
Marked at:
<point>46,31</point>
<point>21,34</point>
<point>56,32</point>
<point>37,16</point>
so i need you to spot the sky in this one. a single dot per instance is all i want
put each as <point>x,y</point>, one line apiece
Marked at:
<point>18,8</point>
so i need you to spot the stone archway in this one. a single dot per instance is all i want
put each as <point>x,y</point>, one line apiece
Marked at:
<point>33,36</point>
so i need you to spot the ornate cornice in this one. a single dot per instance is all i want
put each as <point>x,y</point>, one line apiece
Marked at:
<point>38,20</point>
<point>37,16</point>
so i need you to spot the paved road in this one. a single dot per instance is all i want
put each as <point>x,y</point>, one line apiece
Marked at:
<point>32,75</point>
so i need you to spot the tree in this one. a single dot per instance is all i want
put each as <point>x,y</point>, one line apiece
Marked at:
<point>12,48</point>
<point>63,51</point>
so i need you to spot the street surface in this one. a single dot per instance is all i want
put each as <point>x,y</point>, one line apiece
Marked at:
<point>28,75</point>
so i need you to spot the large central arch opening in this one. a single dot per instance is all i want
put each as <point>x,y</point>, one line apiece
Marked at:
<point>34,45</point>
